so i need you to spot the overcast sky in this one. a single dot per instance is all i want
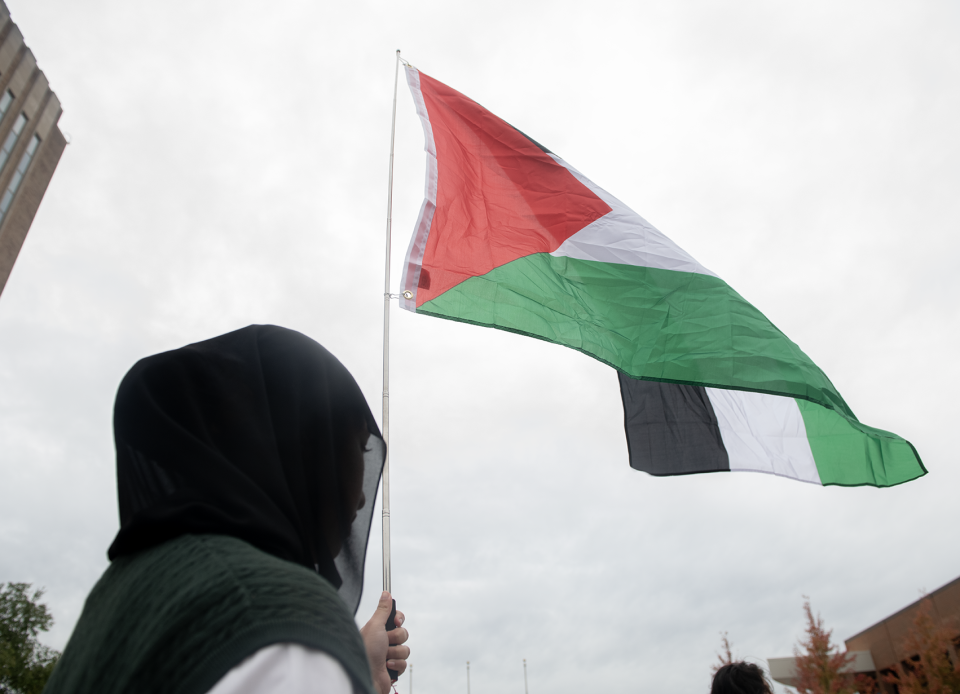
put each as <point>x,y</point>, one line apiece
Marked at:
<point>228,166</point>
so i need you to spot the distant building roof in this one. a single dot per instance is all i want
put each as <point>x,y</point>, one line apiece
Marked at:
<point>880,647</point>
<point>885,638</point>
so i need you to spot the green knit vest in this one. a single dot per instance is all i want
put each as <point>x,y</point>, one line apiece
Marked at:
<point>177,617</point>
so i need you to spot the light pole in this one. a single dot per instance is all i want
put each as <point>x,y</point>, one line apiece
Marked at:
<point>468,677</point>
<point>525,690</point>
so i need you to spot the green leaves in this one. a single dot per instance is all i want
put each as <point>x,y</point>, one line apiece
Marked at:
<point>25,664</point>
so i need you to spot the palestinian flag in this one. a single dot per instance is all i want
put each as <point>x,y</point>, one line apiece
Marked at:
<point>510,236</point>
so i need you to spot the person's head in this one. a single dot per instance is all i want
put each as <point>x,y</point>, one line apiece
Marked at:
<point>260,434</point>
<point>740,678</point>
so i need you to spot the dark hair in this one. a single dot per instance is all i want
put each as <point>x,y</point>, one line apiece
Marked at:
<point>740,678</point>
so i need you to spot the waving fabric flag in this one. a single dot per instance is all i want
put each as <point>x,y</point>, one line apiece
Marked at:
<point>510,236</point>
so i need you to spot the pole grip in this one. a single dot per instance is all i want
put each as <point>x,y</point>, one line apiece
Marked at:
<point>390,626</point>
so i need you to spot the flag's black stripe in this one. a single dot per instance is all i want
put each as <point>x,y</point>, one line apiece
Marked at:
<point>542,148</point>
<point>671,429</point>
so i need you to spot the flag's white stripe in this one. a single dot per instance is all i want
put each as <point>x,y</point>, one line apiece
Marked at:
<point>418,242</point>
<point>764,433</point>
<point>623,237</point>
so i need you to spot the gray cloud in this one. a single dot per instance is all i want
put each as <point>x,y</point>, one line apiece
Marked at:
<point>228,166</point>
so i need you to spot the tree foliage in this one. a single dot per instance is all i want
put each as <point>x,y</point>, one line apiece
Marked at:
<point>25,664</point>
<point>726,656</point>
<point>820,664</point>
<point>934,668</point>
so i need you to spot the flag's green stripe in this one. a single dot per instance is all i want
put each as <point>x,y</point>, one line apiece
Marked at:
<point>851,454</point>
<point>658,325</point>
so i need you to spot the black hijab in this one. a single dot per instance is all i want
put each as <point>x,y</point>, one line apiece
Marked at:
<point>247,435</point>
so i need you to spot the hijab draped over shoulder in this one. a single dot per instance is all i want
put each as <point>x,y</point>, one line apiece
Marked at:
<point>253,434</point>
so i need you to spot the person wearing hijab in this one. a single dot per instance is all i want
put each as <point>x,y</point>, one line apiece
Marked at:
<point>247,467</point>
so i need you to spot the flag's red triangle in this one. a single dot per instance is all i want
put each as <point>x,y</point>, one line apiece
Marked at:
<point>500,195</point>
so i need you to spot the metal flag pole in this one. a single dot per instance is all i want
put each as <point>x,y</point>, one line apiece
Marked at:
<point>468,677</point>
<point>525,690</point>
<point>386,345</point>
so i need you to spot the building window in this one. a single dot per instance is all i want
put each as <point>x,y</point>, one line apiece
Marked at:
<point>5,102</point>
<point>18,176</point>
<point>11,140</point>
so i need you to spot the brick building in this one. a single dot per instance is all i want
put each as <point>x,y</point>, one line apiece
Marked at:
<point>879,648</point>
<point>30,141</point>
